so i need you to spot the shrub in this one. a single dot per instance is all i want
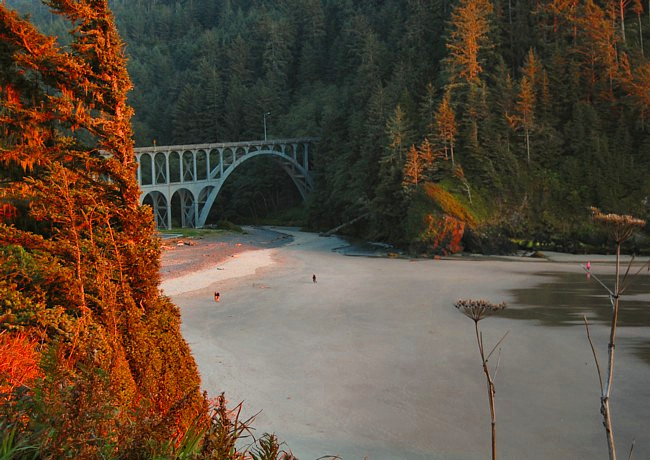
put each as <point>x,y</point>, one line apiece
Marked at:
<point>436,221</point>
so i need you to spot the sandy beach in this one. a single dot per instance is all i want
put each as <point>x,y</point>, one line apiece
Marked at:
<point>374,361</point>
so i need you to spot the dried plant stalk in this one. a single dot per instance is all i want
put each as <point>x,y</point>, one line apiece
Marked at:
<point>620,229</point>
<point>476,310</point>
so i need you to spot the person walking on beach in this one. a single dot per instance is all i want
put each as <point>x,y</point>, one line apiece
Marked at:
<point>313,278</point>
<point>217,296</point>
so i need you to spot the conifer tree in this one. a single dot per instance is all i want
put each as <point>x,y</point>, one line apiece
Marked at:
<point>399,133</point>
<point>525,109</point>
<point>470,26</point>
<point>118,371</point>
<point>413,167</point>
<point>429,159</point>
<point>427,111</point>
<point>446,126</point>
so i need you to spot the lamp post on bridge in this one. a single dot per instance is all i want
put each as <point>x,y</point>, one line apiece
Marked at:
<point>266,114</point>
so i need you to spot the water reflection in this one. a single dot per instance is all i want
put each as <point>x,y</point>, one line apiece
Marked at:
<point>561,299</point>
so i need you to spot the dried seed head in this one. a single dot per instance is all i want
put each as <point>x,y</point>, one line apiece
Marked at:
<point>478,309</point>
<point>620,227</point>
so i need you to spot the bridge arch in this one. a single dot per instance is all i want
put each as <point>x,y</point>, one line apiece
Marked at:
<point>203,198</point>
<point>190,177</point>
<point>295,171</point>
<point>214,162</point>
<point>183,210</point>
<point>160,168</point>
<point>160,207</point>
<point>189,166</point>
<point>201,165</point>
<point>174,160</point>
<point>146,173</point>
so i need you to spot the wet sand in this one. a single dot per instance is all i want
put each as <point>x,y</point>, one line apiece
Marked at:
<point>185,255</point>
<point>374,361</point>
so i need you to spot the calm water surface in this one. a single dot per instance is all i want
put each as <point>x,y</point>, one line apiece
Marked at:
<point>563,298</point>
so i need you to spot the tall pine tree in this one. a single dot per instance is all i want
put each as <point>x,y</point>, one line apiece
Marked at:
<point>81,266</point>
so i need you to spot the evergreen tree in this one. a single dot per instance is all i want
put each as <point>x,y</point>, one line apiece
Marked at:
<point>446,126</point>
<point>413,168</point>
<point>525,109</point>
<point>85,280</point>
<point>427,111</point>
<point>469,37</point>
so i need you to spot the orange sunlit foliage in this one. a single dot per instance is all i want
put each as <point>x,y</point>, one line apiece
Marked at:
<point>637,83</point>
<point>469,35</point>
<point>7,212</point>
<point>18,363</point>
<point>440,221</point>
<point>84,256</point>
<point>446,126</point>
<point>443,234</point>
<point>413,168</point>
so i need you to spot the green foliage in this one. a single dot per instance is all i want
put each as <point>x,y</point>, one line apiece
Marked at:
<point>227,225</point>
<point>447,203</point>
<point>13,446</point>
<point>268,448</point>
<point>545,92</point>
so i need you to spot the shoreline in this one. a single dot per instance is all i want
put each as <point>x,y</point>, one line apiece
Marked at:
<point>241,264</point>
<point>191,264</point>
<point>181,256</point>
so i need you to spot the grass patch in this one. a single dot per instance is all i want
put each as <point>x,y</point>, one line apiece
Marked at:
<point>201,232</point>
<point>193,232</point>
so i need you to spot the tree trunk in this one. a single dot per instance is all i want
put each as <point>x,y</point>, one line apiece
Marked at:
<point>641,35</point>
<point>621,9</point>
<point>527,145</point>
<point>451,148</point>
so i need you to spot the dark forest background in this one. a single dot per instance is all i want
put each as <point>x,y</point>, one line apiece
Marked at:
<point>510,117</point>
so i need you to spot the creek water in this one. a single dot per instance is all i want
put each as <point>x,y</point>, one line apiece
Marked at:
<point>563,299</point>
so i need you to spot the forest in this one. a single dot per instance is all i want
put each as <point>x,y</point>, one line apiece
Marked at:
<point>499,120</point>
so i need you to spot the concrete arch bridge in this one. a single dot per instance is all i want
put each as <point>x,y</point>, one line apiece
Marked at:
<point>191,176</point>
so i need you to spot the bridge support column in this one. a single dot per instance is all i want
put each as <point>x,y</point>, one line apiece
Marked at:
<point>194,164</point>
<point>169,211</point>
<point>167,167</point>
<point>305,157</point>
<point>153,168</point>
<point>208,166</point>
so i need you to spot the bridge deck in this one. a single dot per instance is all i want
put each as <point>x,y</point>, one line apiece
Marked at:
<point>221,145</point>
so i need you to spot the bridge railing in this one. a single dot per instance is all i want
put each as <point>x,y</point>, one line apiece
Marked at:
<point>217,145</point>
